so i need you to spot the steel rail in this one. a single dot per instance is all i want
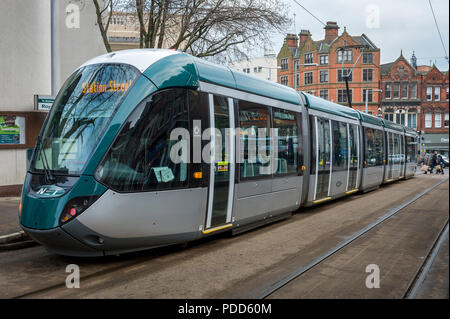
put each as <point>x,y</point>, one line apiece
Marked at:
<point>299,271</point>
<point>420,276</point>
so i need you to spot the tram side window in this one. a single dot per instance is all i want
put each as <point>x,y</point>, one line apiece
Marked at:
<point>140,157</point>
<point>254,122</point>
<point>374,146</point>
<point>288,144</point>
<point>410,149</point>
<point>340,146</point>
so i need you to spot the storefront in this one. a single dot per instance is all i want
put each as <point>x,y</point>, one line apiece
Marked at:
<point>435,142</point>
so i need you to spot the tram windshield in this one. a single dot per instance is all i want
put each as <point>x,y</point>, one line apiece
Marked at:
<point>79,116</point>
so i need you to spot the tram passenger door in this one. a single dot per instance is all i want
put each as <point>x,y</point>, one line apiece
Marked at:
<point>353,135</point>
<point>323,158</point>
<point>221,187</point>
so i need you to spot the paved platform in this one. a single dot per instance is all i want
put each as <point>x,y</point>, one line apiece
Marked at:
<point>9,215</point>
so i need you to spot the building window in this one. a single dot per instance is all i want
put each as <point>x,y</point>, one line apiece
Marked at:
<point>428,120</point>
<point>255,70</point>
<point>437,120</point>
<point>446,94</point>
<point>369,95</point>
<point>387,91</point>
<point>284,80</point>
<point>323,59</point>
<point>308,78</point>
<point>437,93</point>
<point>396,90</point>
<point>297,79</point>
<point>345,56</point>
<point>284,63</point>
<point>429,93</point>
<point>346,71</point>
<point>413,92</point>
<point>404,90</point>
<point>296,65</point>
<point>342,96</point>
<point>367,58</point>
<point>446,120</point>
<point>412,120</point>
<point>389,116</point>
<point>324,94</point>
<point>309,58</point>
<point>400,117</point>
<point>367,75</point>
<point>324,76</point>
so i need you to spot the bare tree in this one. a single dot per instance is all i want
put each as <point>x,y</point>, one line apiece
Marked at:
<point>204,28</point>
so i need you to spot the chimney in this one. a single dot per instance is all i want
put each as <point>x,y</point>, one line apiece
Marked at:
<point>291,40</point>
<point>304,34</point>
<point>331,31</point>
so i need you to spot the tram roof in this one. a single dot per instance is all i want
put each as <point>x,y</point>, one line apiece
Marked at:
<point>393,126</point>
<point>367,118</point>
<point>169,68</point>
<point>410,130</point>
<point>325,106</point>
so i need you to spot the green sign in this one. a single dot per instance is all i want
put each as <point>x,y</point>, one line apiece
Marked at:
<point>43,102</point>
<point>10,129</point>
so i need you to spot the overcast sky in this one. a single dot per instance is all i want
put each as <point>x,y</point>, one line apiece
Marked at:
<point>403,24</point>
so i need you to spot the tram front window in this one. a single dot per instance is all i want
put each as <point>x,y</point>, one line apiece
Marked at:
<point>140,158</point>
<point>81,112</point>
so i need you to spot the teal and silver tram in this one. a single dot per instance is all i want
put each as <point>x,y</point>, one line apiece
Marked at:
<point>121,163</point>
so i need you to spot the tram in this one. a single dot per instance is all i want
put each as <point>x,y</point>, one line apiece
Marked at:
<point>108,175</point>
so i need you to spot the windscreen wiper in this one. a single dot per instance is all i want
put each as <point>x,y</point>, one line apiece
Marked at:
<point>49,178</point>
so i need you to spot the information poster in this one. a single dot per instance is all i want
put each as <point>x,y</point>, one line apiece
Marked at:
<point>12,129</point>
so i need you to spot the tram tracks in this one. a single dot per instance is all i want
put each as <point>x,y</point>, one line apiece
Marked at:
<point>279,284</point>
<point>100,282</point>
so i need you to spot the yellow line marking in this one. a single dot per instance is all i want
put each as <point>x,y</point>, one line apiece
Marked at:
<point>389,180</point>
<point>352,191</point>
<point>216,229</point>
<point>321,200</point>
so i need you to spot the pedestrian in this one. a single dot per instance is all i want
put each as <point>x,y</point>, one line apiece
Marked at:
<point>434,161</point>
<point>426,163</point>
<point>440,164</point>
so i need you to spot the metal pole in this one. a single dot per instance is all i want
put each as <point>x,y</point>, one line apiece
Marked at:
<point>349,98</point>
<point>53,48</point>
<point>367,98</point>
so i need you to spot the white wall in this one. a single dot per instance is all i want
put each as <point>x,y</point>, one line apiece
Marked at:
<point>24,53</point>
<point>269,64</point>
<point>25,60</point>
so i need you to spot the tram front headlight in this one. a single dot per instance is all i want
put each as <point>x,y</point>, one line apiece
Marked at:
<point>75,207</point>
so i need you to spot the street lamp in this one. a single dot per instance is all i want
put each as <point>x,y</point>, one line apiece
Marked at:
<point>367,95</point>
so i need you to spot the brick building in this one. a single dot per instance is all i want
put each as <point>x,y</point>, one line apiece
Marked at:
<point>434,119</point>
<point>316,66</point>
<point>417,97</point>
<point>401,97</point>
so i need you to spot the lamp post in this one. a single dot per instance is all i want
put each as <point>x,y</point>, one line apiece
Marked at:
<point>367,95</point>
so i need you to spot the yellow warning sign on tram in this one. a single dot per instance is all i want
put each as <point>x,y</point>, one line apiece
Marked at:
<point>222,166</point>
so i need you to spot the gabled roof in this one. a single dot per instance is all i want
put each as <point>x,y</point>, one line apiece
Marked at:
<point>387,67</point>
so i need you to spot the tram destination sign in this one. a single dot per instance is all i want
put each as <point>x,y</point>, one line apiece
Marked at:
<point>43,102</point>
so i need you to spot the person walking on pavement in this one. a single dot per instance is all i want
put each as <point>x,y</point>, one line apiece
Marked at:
<point>433,163</point>
<point>426,162</point>
<point>440,163</point>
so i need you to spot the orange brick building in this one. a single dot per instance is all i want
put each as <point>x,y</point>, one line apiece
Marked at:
<point>316,66</point>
